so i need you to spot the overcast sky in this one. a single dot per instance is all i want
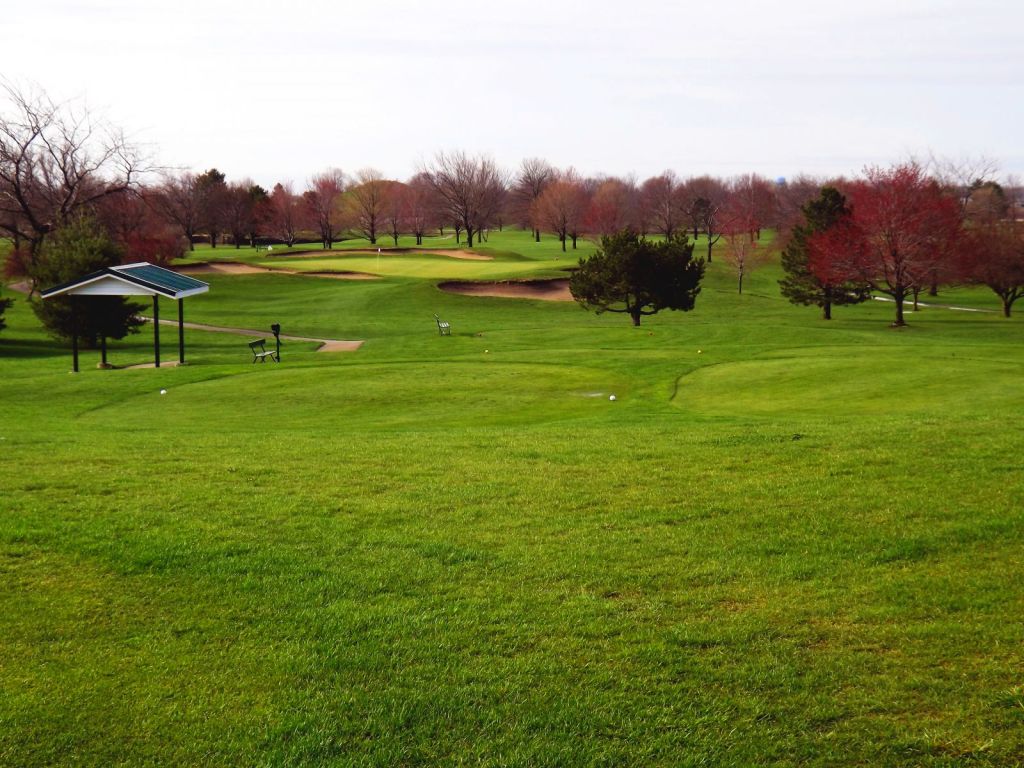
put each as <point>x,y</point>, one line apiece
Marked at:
<point>279,91</point>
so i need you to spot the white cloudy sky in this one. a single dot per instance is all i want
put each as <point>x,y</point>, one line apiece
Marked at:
<point>278,90</point>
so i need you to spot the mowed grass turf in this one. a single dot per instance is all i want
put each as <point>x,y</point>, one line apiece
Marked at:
<point>786,542</point>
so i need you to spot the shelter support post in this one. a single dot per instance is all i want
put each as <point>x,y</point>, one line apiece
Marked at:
<point>74,334</point>
<point>103,351</point>
<point>181,331</point>
<point>156,331</point>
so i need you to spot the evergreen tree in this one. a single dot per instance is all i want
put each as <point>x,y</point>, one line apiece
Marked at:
<point>4,304</point>
<point>75,250</point>
<point>800,285</point>
<point>633,275</point>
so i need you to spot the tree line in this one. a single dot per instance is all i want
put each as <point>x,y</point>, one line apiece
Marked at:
<point>898,231</point>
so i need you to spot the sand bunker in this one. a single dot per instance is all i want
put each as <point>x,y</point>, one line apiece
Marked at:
<point>235,268</point>
<point>452,253</point>
<point>545,290</point>
<point>220,268</point>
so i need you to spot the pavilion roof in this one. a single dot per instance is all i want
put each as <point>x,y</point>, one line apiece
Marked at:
<point>137,279</point>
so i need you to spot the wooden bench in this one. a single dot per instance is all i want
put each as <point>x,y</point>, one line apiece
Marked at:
<point>443,326</point>
<point>259,351</point>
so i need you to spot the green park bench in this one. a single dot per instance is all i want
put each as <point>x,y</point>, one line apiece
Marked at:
<point>443,326</point>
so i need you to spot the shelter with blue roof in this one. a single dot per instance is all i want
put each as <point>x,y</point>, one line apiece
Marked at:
<point>140,279</point>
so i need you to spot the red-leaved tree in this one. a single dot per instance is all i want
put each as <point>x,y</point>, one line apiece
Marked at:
<point>561,208</point>
<point>611,207</point>
<point>904,229</point>
<point>992,254</point>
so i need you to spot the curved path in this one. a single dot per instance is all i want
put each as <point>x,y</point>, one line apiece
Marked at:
<point>326,345</point>
<point>909,303</point>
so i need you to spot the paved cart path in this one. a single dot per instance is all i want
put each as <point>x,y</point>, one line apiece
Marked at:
<point>326,345</point>
<point>909,304</point>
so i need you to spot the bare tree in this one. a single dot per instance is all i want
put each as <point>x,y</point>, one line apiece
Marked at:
<point>471,190</point>
<point>323,202</point>
<point>661,198</point>
<point>751,200</point>
<point>55,160</point>
<point>395,208</point>
<point>561,208</point>
<point>531,181</point>
<point>963,175</point>
<point>177,199</point>
<point>366,203</point>
<point>259,218</point>
<point>419,207</point>
<point>213,204</point>
<point>240,210</point>
<point>285,216</point>
<point>135,224</point>
<point>708,195</point>
<point>610,208</point>
<point>791,195</point>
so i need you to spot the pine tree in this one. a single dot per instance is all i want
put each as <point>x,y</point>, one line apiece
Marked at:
<point>75,250</point>
<point>636,276</point>
<point>800,285</point>
<point>4,304</point>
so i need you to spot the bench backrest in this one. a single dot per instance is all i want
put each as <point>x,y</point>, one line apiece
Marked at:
<point>258,343</point>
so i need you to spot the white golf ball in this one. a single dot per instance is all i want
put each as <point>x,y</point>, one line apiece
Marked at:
<point>612,398</point>
<point>163,391</point>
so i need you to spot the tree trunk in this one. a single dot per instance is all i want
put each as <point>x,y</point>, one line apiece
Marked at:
<point>710,246</point>
<point>900,322</point>
<point>933,289</point>
<point>1007,304</point>
<point>469,237</point>
<point>536,235</point>
<point>917,292</point>
<point>741,281</point>
<point>827,310</point>
<point>635,314</point>
<point>562,238</point>
<point>396,240</point>
<point>574,241</point>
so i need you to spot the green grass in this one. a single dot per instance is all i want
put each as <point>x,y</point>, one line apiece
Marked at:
<point>800,544</point>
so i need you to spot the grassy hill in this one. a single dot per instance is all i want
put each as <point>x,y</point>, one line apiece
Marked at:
<point>786,541</point>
